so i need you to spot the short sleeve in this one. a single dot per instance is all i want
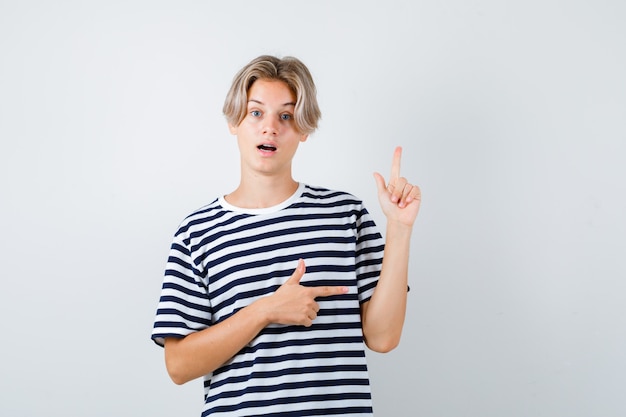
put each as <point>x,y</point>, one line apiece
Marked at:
<point>369,254</point>
<point>184,306</point>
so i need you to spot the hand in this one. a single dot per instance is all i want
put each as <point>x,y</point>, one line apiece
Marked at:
<point>399,199</point>
<point>295,304</point>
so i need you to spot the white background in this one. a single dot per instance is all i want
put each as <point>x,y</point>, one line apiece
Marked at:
<point>512,117</point>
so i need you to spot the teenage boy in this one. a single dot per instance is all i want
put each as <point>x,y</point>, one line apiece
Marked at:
<point>272,292</point>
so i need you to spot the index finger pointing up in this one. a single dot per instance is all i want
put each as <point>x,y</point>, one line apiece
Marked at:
<point>395,165</point>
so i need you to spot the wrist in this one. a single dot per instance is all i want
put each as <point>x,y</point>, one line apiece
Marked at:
<point>399,229</point>
<point>260,313</point>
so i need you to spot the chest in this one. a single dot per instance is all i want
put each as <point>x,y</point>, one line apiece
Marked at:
<point>242,266</point>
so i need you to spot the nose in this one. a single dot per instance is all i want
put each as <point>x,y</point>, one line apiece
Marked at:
<point>270,126</point>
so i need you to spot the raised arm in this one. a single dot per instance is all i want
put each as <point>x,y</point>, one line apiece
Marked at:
<point>383,315</point>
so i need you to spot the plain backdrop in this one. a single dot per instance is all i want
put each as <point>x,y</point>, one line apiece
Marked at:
<point>512,119</point>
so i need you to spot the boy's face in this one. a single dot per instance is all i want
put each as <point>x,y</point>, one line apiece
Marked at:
<point>267,136</point>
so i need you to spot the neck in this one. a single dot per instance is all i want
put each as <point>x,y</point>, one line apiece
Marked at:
<point>262,192</point>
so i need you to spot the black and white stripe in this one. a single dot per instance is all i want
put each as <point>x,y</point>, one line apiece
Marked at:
<point>224,258</point>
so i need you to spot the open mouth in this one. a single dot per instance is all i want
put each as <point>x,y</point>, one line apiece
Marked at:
<point>266,148</point>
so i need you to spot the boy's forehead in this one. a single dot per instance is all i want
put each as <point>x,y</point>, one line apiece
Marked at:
<point>271,91</point>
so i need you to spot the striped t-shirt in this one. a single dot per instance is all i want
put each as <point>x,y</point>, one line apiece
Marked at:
<point>223,258</point>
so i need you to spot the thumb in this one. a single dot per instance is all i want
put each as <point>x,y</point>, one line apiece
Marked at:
<point>380,183</point>
<point>294,279</point>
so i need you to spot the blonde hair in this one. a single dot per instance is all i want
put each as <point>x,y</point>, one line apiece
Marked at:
<point>292,72</point>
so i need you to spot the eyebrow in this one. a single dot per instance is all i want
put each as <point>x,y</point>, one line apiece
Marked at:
<point>291,103</point>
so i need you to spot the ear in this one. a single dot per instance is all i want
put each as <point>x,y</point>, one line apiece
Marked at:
<point>232,129</point>
<point>304,138</point>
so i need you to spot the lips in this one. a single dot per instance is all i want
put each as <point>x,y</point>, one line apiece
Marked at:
<point>266,147</point>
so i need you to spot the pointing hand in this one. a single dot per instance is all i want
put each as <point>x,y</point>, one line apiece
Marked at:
<point>399,199</point>
<point>295,304</point>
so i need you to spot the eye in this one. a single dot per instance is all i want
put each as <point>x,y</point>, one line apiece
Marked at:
<point>286,116</point>
<point>255,113</point>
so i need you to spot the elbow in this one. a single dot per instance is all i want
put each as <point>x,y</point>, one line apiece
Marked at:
<point>175,373</point>
<point>176,377</point>
<point>383,345</point>
<point>174,365</point>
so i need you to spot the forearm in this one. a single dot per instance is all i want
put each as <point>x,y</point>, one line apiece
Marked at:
<point>384,313</point>
<point>202,352</point>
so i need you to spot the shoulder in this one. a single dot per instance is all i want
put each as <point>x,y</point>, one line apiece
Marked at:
<point>331,203</point>
<point>323,194</point>
<point>201,218</point>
